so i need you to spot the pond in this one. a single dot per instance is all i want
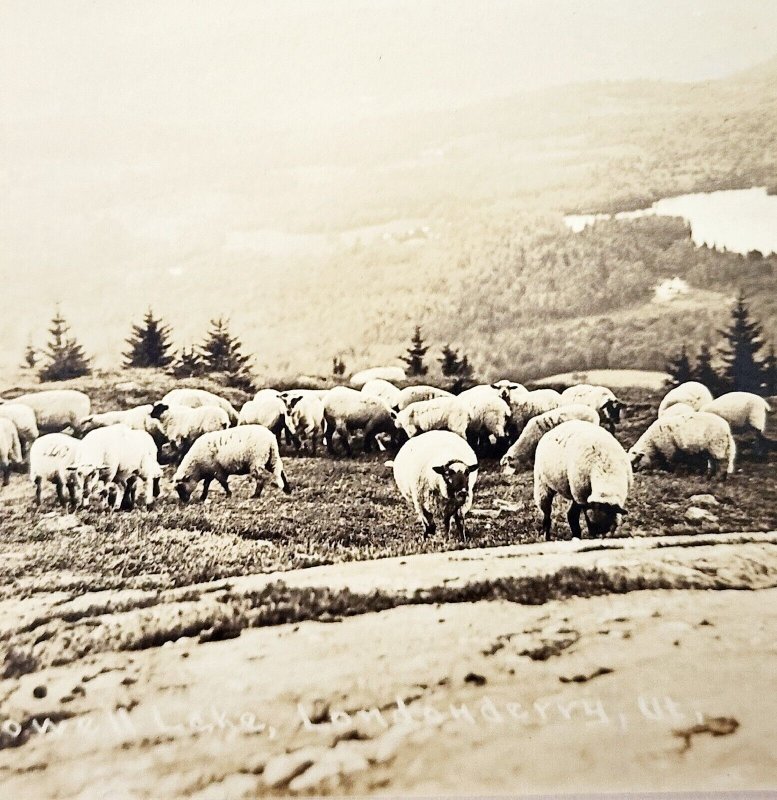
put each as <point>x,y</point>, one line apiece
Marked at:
<point>740,220</point>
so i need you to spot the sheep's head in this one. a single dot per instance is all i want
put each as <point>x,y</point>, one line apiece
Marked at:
<point>455,475</point>
<point>601,518</point>
<point>639,460</point>
<point>185,486</point>
<point>611,410</point>
<point>512,463</point>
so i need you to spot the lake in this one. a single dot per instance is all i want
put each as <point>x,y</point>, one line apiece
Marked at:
<point>740,220</point>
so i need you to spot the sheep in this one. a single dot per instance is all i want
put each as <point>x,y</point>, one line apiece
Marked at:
<point>439,413</point>
<point>675,436</point>
<point>521,453</point>
<point>195,398</point>
<point>137,418</point>
<point>26,425</point>
<point>414,394</point>
<point>744,412</point>
<point>383,390</point>
<point>676,408</point>
<point>597,397</point>
<point>245,450</point>
<point>346,410</point>
<point>488,414</point>
<point>435,473</point>
<point>50,457</point>
<point>393,374</point>
<point>531,404</point>
<point>10,448</point>
<point>181,425</point>
<point>307,417</point>
<point>692,393</point>
<point>117,456</point>
<point>585,464</point>
<point>269,408</point>
<point>57,409</point>
<point>508,389</point>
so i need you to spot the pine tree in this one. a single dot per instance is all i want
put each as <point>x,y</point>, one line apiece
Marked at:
<point>704,372</point>
<point>222,352</point>
<point>65,356</point>
<point>149,344</point>
<point>414,358</point>
<point>187,364</point>
<point>769,373</point>
<point>31,356</point>
<point>679,368</point>
<point>742,368</point>
<point>449,361</point>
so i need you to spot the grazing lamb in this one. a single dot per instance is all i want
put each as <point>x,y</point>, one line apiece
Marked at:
<point>57,409</point>
<point>415,394</point>
<point>531,404</point>
<point>692,393</point>
<point>50,457</point>
<point>307,417</point>
<point>346,411</point>
<point>181,425</point>
<point>245,450</point>
<point>383,390</point>
<point>675,409</point>
<point>521,454</point>
<point>393,374</point>
<point>599,398</point>
<point>269,409</point>
<point>436,472</point>
<point>10,448</point>
<point>682,436</point>
<point>196,398</point>
<point>586,464</point>
<point>744,412</point>
<point>24,418</point>
<point>137,418</point>
<point>439,413</point>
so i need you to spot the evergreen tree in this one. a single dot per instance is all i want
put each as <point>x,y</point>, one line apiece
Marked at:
<point>31,356</point>
<point>222,352</point>
<point>742,367</point>
<point>704,372</point>
<point>187,364</point>
<point>414,358</point>
<point>64,356</point>
<point>338,366</point>
<point>453,365</point>
<point>679,368</point>
<point>149,344</point>
<point>769,375</point>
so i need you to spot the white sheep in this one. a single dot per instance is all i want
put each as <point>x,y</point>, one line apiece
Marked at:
<point>415,394</point>
<point>599,398</point>
<point>585,464</point>
<point>744,412</point>
<point>181,425</point>
<point>509,389</point>
<point>521,453</point>
<point>137,418</point>
<point>57,409</point>
<point>196,398</point>
<point>307,417</point>
<point>489,415</point>
<point>269,409</point>
<point>383,390</point>
<point>676,409</point>
<point>50,457</point>
<point>393,374</point>
<point>245,450</point>
<point>10,448</point>
<point>26,425</point>
<point>436,472</point>
<point>439,413</point>
<point>531,404</point>
<point>675,437</point>
<point>346,411</point>
<point>691,393</point>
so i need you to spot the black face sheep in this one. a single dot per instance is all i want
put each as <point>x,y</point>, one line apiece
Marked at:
<point>181,425</point>
<point>435,472</point>
<point>600,398</point>
<point>50,457</point>
<point>531,404</point>
<point>585,464</point>
<point>137,418</point>
<point>489,416</point>
<point>245,450</point>
<point>347,411</point>
<point>196,398</point>
<point>744,412</point>
<point>691,393</point>
<point>57,409</point>
<point>269,408</point>
<point>307,416</point>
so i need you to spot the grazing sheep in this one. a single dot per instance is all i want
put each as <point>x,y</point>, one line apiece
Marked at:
<point>531,404</point>
<point>50,457</point>
<point>509,390</point>
<point>245,450</point>
<point>599,398</point>
<point>585,464</point>
<point>691,393</point>
<point>436,472</point>
<point>10,448</point>
<point>196,398</point>
<point>744,412</point>
<point>346,411</point>
<point>415,394</point>
<point>439,413</point>
<point>57,409</point>
<point>269,409</point>
<point>307,417</point>
<point>488,413</point>
<point>675,409</point>
<point>137,418</point>
<point>683,436</point>
<point>521,454</point>
<point>24,418</point>
<point>181,425</point>
<point>393,374</point>
<point>383,390</point>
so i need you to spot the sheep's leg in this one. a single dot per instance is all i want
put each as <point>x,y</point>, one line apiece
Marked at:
<point>712,466</point>
<point>313,442</point>
<point>456,522</point>
<point>329,432</point>
<point>223,480</point>
<point>6,474</point>
<point>258,488</point>
<point>156,488</point>
<point>205,486</point>
<point>573,517</point>
<point>546,504</point>
<point>761,446</point>
<point>427,520</point>
<point>39,490</point>
<point>346,438</point>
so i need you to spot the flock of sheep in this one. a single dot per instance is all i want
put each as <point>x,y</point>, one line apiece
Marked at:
<point>568,439</point>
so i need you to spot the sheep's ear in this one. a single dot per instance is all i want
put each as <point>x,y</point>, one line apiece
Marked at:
<point>393,414</point>
<point>620,510</point>
<point>471,468</point>
<point>158,410</point>
<point>440,470</point>
<point>292,401</point>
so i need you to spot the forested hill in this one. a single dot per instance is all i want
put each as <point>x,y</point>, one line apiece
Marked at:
<point>330,241</point>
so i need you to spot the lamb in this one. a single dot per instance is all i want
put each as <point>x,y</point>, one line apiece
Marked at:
<point>245,450</point>
<point>677,436</point>
<point>50,457</point>
<point>57,409</point>
<point>599,398</point>
<point>414,394</point>
<point>436,472</point>
<point>488,414</point>
<point>269,409</point>
<point>439,413</point>
<point>744,412</point>
<point>10,448</point>
<point>521,454</point>
<point>346,410</point>
<point>531,404</point>
<point>196,398</point>
<point>692,393</point>
<point>586,464</point>
<point>24,418</point>
<point>137,418</point>
<point>181,425</point>
<point>676,408</point>
<point>306,412</point>
<point>383,390</point>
